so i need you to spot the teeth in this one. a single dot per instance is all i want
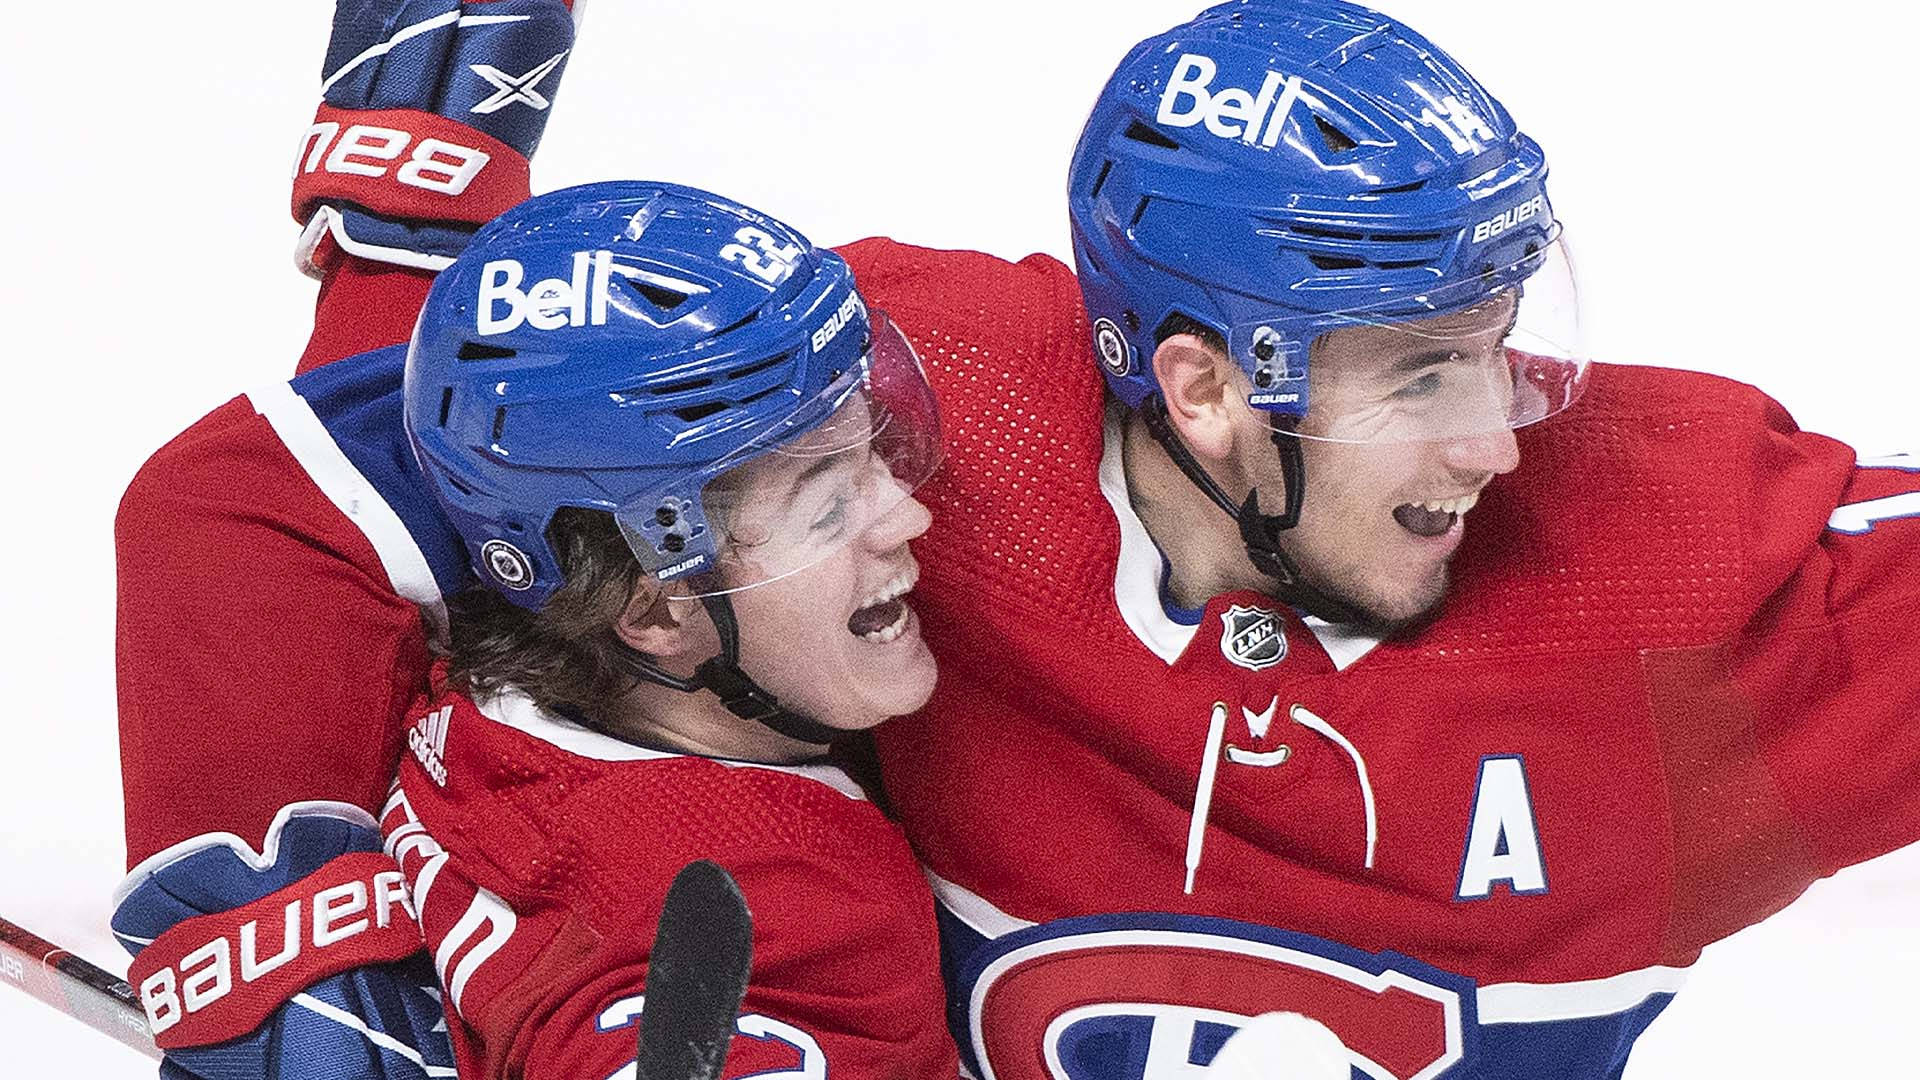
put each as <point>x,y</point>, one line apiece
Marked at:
<point>1451,506</point>
<point>898,585</point>
<point>892,630</point>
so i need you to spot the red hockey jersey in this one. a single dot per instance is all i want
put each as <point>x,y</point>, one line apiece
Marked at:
<point>1673,685</point>
<point>538,853</point>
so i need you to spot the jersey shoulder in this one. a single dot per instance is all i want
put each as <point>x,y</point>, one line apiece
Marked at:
<point>1017,506</point>
<point>1663,510</point>
<point>553,846</point>
<point>547,805</point>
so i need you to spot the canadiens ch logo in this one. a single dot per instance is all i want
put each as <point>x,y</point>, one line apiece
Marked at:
<point>1147,996</point>
<point>1252,638</point>
<point>1111,344</point>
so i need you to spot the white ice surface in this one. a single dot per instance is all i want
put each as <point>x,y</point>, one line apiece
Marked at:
<point>1736,186</point>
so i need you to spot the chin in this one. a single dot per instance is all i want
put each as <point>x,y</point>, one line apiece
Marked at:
<point>1401,612</point>
<point>908,685</point>
<point>875,694</point>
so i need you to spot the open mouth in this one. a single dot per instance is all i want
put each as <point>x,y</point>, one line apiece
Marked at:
<point>1433,518</point>
<point>884,616</point>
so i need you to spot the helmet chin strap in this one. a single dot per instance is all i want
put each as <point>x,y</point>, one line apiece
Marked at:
<point>1259,532</point>
<point>736,689</point>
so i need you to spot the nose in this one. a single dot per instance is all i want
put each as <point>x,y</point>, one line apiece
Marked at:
<point>905,520</point>
<point>1493,453</point>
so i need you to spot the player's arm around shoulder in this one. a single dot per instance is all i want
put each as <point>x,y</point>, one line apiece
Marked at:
<point>233,570</point>
<point>964,294</point>
<point>250,600</point>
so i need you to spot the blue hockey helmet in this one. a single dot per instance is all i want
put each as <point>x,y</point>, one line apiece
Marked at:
<point>1273,171</point>
<point>661,354</point>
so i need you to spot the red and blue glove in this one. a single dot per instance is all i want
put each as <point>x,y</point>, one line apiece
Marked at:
<point>430,111</point>
<point>301,961</point>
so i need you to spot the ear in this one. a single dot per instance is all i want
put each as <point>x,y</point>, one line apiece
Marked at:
<point>650,625</point>
<point>1199,392</point>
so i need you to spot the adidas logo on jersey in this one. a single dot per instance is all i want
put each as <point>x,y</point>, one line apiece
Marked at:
<point>1232,113</point>
<point>428,738</point>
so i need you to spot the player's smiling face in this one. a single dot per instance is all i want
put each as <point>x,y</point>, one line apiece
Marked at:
<point>836,642</point>
<point>1409,423</point>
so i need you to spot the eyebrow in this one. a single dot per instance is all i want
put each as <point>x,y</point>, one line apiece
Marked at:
<point>811,473</point>
<point>1430,358</point>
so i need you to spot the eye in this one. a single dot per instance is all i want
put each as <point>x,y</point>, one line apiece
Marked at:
<point>834,518</point>
<point>1424,386</point>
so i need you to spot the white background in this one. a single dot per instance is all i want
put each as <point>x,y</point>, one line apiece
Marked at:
<point>1736,188</point>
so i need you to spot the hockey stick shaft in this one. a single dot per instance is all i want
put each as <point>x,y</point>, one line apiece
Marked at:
<point>696,977</point>
<point>87,993</point>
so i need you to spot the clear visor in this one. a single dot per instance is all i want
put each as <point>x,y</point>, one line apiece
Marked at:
<point>815,480</point>
<point>1498,352</point>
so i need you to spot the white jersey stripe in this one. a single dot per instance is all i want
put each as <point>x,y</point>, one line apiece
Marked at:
<point>971,908</point>
<point>1498,1003</point>
<point>1533,1003</point>
<point>356,497</point>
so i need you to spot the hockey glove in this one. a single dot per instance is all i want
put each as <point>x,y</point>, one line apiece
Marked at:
<point>302,962</point>
<point>429,112</point>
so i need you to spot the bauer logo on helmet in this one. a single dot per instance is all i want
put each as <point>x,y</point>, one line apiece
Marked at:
<point>1499,223</point>
<point>837,321</point>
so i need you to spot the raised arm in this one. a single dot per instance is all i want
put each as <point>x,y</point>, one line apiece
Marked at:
<point>429,113</point>
<point>273,575</point>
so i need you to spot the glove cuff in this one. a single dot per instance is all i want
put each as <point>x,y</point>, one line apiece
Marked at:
<point>405,165</point>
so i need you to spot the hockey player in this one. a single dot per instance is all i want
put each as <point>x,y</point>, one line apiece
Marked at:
<point>1472,795</point>
<point>1236,712</point>
<point>678,451</point>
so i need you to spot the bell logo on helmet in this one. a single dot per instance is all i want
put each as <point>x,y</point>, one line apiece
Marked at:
<point>1233,113</point>
<point>546,305</point>
<point>837,321</point>
<point>581,299</point>
<point>1499,223</point>
<point>508,564</point>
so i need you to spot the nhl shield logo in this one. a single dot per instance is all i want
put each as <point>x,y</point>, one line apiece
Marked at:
<point>1111,344</point>
<point>508,565</point>
<point>1252,637</point>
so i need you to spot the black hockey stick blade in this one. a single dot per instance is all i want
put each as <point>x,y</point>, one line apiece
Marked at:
<point>696,976</point>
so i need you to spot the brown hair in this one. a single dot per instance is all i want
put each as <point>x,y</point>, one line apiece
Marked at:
<point>565,654</point>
